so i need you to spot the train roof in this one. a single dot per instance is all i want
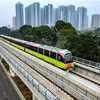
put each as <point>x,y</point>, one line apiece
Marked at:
<point>55,49</point>
<point>23,41</point>
<point>6,36</point>
<point>51,48</point>
<point>33,44</point>
<point>65,51</point>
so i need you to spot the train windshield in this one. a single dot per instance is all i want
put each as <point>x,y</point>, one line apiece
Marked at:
<point>68,57</point>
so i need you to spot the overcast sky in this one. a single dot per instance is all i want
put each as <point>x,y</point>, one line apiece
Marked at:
<point>7,7</point>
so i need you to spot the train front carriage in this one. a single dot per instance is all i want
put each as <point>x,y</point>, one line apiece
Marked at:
<point>61,58</point>
<point>66,58</point>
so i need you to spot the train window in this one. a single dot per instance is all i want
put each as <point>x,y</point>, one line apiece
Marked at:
<point>34,48</point>
<point>60,58</point>
<point>27,46</point>
<point>40,50</point>
<point>53,55</point>
<point>31,47</point>
<point>68,57</point>
<point>46,53</point>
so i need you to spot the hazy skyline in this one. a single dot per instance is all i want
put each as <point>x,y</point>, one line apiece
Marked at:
<point>7,7</point>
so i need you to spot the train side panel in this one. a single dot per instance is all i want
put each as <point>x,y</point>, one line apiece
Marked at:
<point>18,46</point>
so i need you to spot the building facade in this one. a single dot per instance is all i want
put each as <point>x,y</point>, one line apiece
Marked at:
<point>27,22</point>
<point>47,15</point>
<point>81,18</point>
<point>71,14</point>
<point>62,13</point>
<point>19,15</point>
<point>14,22</point>
<point>50,13</point>
<point>55,15</point>
<point>33,15</point>
<point>95,21</point>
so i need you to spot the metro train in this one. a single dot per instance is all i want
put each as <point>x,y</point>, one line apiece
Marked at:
<point>61,58</point>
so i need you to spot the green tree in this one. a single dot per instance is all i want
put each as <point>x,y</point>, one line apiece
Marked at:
<point>27,34</point>
<point>86,47</point>
<point>4,30</point>
<point>48,35</point>
<point>97,32</point>
<point>65,30</point>
<point>43,35</point>
<point>24,27</point>
<point>65,35</point>
<point>15,34</point>
<point>35,35</point>
<point>59,25</point>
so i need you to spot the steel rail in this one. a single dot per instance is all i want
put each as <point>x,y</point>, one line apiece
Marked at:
<point>62,84</point>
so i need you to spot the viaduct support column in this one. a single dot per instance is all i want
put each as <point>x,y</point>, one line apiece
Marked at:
<point>13,74</point>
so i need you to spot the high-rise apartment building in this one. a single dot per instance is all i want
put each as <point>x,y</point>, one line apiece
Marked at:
<point>28,15</point>
<point>55,15</point>
<point>71,14</point>
<point>75,19</point>
<point>87,22</point>
<point>50,12</point>
<point>42,17</point>
<point>32,14</point>
<point>81,18</point>
<point>27,22</point>
<point>95,21</point>
<point>62,13</point>
<point>19,15</point>
<point>47,15</point>
<point>47,12</point>
<point>37,15</point>
<point>14,22</point>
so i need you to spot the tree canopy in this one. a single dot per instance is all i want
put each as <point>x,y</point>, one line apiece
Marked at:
<point>24,27</point>
<point>59,25</point>
<point>15,34</point>
<point>4,30</point>
<point>63,35</point>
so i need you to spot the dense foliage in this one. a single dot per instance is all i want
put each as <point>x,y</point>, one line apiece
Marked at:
<point>86,46</point>
<point>97,32</point>
<point>63,35</point>
<point>15,34</point>
<point>4,30</point>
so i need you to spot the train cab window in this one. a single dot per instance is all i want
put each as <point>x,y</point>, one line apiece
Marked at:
<point>40,50</point>
<point>53,55</point>
<point>60,58</point>
<point>46,53</point>
<point>68,57</point>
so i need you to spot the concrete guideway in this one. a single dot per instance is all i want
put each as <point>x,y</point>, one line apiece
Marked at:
<point>85,84</point>
<point>90,73</point>
<point>58,73</point>
<point>88,63</point>
<point>53,71</point>
<point>63,96</point>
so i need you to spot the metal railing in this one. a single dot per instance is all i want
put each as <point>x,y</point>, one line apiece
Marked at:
<point>87,62</point>
<point>64,83</point>
<point>39,86</point>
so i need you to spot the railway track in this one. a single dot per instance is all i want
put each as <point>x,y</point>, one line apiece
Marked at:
<point>85,77</point>
<point>64,83</point>
<point>50,83</point>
